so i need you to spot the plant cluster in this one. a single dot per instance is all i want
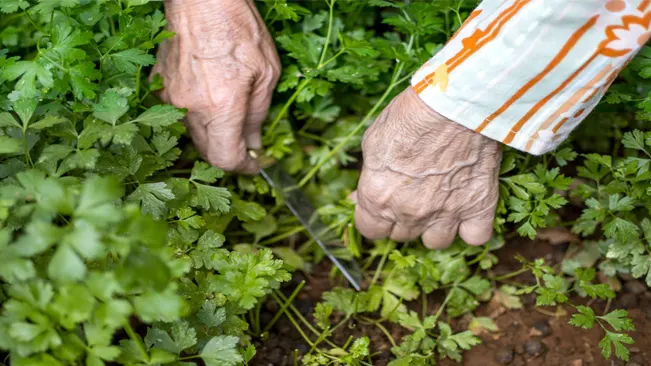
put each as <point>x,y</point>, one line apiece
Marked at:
<point>119,245</point>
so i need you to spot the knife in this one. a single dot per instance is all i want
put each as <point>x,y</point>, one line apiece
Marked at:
<point>300,206</point>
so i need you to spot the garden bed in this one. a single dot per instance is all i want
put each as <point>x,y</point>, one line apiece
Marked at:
<point>527,336</point>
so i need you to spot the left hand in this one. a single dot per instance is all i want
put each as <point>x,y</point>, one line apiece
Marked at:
<point>425,175</point>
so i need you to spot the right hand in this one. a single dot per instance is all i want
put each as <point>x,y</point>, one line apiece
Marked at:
<point>222,66</point>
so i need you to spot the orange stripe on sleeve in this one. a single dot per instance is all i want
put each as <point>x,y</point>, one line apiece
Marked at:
<point>477,40</point>
<point>643,5</point>
<point>575,99</point>
<point>609,81</point>
<point>569,45</point>
<point>480,38</point>
<point>471,17</point>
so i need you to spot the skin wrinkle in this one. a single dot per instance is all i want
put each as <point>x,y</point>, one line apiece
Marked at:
<point>222,67</point>
<point>428,197</point>
<point>423,174</point>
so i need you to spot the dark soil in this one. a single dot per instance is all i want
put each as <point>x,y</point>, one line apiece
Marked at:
<point>525,337</point>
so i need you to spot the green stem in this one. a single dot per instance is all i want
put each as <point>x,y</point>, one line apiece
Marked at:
<point>481,256</point>
<point>136,339</point>
<point>284,235</point>
<point>138,83</point>
<point>331,3</point>
<point>509,275</point>
<point>378,270</point>
<point>443,305</point>
<point>396,76</point>
<point>284,307</point>
<point>293,321</point>
<point>288,104</point>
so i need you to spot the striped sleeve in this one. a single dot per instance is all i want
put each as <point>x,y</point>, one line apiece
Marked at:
<point>527,72</point>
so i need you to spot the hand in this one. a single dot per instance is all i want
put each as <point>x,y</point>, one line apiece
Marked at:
<point>222,66</point>
<point>425,175</point>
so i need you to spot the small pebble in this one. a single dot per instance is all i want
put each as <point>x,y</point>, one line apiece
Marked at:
<point>519,349</point>
<point>541,329</point>
<point>533,347</point>
<point>628,300</point>
<point>577,363</point>
<point>504,355</point>
<point>635,287</point>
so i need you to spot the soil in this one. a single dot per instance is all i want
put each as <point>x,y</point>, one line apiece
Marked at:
<point>525,337</point>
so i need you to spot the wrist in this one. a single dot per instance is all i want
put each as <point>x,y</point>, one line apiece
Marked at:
<point>202,7</point>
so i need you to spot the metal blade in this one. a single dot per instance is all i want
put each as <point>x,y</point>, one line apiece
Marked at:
<point>300,206</point>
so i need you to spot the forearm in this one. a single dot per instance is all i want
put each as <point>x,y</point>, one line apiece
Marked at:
<point>526,73</point>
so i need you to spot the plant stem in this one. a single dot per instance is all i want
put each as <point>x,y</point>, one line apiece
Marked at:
<point>285,235</point>
<point>360,126</point>
<point>509,275</point>
<point>331,3</point>
<point>378,270</point>
<point>479,257</point>
<point>138,83</point>
<point>288,104</point>
<point>293,321</point>
<point>136,339</point>
<point>285,305</point>
<point>444,304</point>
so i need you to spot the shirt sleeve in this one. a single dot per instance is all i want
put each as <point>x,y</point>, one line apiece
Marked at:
<point>527,72</point>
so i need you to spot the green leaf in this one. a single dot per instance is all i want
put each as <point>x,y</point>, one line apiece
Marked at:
<point>618,341</point>
<point>66,266</point>
<point>7,120</point>
<point>10,6</point>
<point>585,317</point>
<point>10,145</point>
<point>619,320</point>
<point>180,337</point>
<point>128,60</point>
<point>205,173</point>
<point>112,105</point>
<point>152,197</point>
<point>48,121</point>
<point>160,116</point>
<point>221,351</point>
<point>210,315</point>
<point>163,306</point>
<point>211,198</point>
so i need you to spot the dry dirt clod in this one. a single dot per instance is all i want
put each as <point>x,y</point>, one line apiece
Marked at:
<point>519,349</point>
<point>628,300</point>
<point>577,363</point>
<point>533,347</point>
<point>504,356</point>
<point>635,287</point>
<point>540,329</point>
<point>633,364</point>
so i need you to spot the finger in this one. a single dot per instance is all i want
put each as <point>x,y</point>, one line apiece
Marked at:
<point>441,234</point>
<point>199,136</point>
<point>226,147</point>
<point>477,231</point>
<point>371,227</point>
<point>405,232</point>
<point>258,108</point>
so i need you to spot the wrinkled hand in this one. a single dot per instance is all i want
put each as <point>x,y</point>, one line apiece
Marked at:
<point>425,175</point>
<point>222,66</point>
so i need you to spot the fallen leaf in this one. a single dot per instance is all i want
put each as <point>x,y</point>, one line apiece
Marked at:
<point>557,235</point>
